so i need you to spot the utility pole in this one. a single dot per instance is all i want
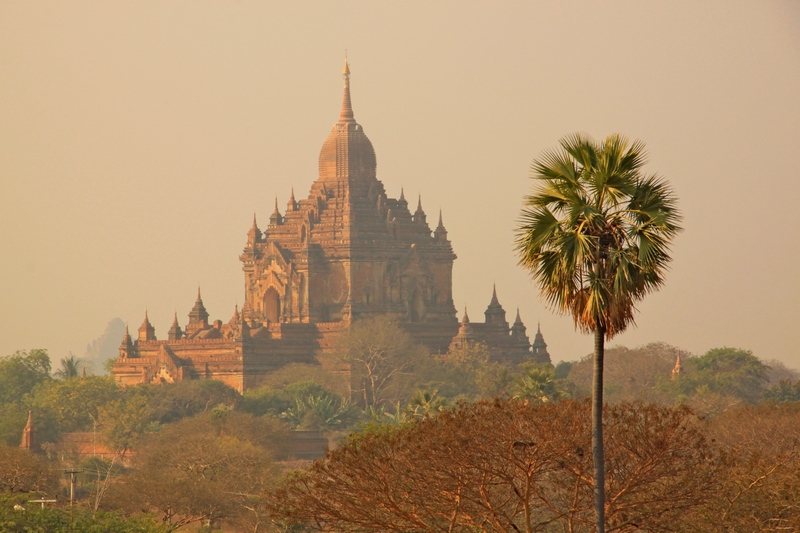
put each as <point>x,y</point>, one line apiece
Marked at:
<point>73,478</point>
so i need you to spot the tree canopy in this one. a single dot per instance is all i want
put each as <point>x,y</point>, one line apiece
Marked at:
<point>213,466</point>
<point>23,471</point>
<point>70,367</point>
<point>596,232</point>
<point>503,466</point>
<point>381,357</point>
<point>73,404</point>
<point>21,372</point>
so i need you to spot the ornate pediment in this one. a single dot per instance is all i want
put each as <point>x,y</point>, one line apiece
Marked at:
<point>272,253</point>
<point>412,264</point>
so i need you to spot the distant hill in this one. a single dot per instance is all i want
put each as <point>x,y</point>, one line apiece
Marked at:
<point>104,347</point>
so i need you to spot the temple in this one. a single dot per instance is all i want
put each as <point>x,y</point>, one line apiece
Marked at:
<point>30,437</point>
<point>677,370</point>
<point>345,252</point>
<point>506,344</point>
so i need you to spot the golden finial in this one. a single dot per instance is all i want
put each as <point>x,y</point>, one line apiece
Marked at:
<point>346,114</point>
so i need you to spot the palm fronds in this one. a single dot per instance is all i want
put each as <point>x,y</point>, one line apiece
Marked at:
<point>596,232</point>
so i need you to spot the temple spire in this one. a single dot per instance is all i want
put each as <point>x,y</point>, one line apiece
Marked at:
<point>539,347</point>
<point>236,319</point>
<point>419,214</point>
<point>519,333</point>
<point>678,369</point>
<point>254,235</point>
<point>276,218</point>
<point>126,347</point>
<point>440,233</point>
<point>465,333</point>
<point>30,438</point>
<point>495,314</point>
<point>198,314</point>
<point>346,114</point>
<point>174,332</point>
<point>146,331</point>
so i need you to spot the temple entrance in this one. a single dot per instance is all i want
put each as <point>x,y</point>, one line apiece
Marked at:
<point>272,305</point>
<point>416,308</point>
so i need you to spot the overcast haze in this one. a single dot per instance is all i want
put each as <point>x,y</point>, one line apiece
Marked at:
<point>138,138</point>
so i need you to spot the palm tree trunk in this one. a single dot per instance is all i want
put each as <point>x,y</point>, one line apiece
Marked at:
<point>597,431</point>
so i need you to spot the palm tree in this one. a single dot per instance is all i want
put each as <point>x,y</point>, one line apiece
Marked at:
<point>595,234</point>
<point>321,411</point>
<point>425,404</point>
<point>69,367</point>
<point>537,384</point>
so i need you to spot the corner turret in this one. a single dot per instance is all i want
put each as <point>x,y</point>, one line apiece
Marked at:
<point>146,331</point>
<point>175,332</point>
<point>440,234</point>
<point>275,219</point>
<point>465,335</point>
<point>236,318</point>
<point>126,348</point>
<point>419,214</point>
<point>198,315</point>
<point>254,235</point>
<point>519,333</point>
<point>539,347</point>
<point>495,314</point>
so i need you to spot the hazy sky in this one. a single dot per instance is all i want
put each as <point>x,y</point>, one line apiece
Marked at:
<point>138,138</point>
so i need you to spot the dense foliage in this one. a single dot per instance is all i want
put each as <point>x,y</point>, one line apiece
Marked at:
<point>205,454</point>
<point>511,465</point>
<point>19,515</point>
<point>213,466</point>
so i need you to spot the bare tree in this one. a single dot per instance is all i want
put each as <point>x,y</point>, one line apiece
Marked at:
<point>381,357</point>
<point>24,471</point>
<point>507,466</point>
<point>760,446</point>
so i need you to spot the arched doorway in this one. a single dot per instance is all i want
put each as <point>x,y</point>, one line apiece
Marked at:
<point>272,305</point>
<point>416,307</point>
